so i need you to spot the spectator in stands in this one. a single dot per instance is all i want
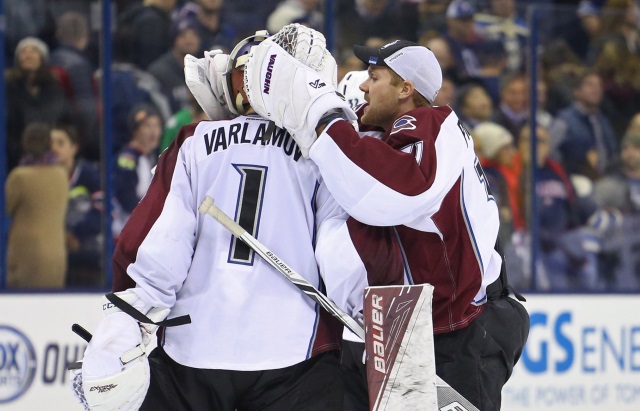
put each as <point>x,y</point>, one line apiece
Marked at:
<point>248,16</point>
<point>147,26</point>
<point>462,38</point>
<point>440,48</point>
<point>473,104</point>
<point>305,12</point>
<point>433,15</point>
<point>543,117</point>
<point>446,94</point>
<point>562,217</point>
<point>578,33</point>
<point>193,113</point>
<point>493,65</point>
<point>560,67</point>
<point>495,147</point>
<point>513,111</point>
<point>135,162</point>
<point>581,134</point>
<point>496,152</point>
<point>36,198</point>
<point>209,19</point>
<point>72,33</point>
<point>358,20</point>
<point>169,68</point>
<point>84,210</point>
<point>619,20</point>
<point>503,24</point>
<point>130,87</point>
<point>634,125</point>
<point>33,94</point>
<point>619,69</point>
<point>620,188</point>
<point>618,198</point>
<point>24,19</point>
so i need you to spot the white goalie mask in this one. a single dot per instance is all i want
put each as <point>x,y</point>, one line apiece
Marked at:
<point>237,59</point>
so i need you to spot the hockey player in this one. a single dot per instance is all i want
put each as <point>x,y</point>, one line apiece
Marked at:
<point>255,341</point>
<point>423,178</point>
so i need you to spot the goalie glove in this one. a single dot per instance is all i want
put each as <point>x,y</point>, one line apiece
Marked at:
<point>309,47</point>
<point>115,370</point>
<point>291,94</point>
<point>204,77</point>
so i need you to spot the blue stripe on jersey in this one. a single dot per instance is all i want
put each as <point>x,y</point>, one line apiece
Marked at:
<point>312,340</point>
<point>321,285</point>
<point>470,231</point>
<point>405,264</point>
<point>315,209</point>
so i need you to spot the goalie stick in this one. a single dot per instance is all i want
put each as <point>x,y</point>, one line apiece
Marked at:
<point>448,398</point>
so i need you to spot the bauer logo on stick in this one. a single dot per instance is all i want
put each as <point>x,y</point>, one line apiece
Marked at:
<point>400,362</point>
<point>377,319</point>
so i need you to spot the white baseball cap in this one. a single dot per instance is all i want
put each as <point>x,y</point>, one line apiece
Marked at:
<point>411,61</point>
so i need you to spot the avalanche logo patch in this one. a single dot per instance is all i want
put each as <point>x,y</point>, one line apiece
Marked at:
<point>403,123</point>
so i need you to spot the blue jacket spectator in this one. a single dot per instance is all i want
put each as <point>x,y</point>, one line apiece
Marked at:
<point>135,162</point>
<point>582,134</point>
<point>147,26</point>
<point>84,210</point>
<point>209,19</point>
<point>73,37</point>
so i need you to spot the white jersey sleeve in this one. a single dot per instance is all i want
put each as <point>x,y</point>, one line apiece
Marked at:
<point>389,185</point>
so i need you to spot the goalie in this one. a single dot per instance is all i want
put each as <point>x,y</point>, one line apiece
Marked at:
<point>255,342</point>
<point>423,178</point>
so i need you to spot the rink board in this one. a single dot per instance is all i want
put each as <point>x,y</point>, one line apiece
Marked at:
<point>583,352</point>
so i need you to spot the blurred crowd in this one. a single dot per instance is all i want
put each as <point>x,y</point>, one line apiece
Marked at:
<point>584,173</point>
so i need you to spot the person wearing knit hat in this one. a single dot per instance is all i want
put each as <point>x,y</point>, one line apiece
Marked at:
<point>492,138</point>
<point>33,94</point>
<point>36,44</point>
<point>168,69</point>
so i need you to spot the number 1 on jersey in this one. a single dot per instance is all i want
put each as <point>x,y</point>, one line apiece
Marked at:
<point>248,209</point>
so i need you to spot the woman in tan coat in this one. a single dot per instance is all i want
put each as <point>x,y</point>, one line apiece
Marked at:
<point>36,195</point>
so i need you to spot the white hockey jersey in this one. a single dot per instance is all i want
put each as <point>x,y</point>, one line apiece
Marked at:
<point>245,315</point>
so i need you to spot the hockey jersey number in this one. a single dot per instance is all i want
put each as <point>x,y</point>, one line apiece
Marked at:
<point>248,209</point>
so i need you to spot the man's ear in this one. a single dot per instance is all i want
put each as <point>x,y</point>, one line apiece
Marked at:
<point>407,89</point>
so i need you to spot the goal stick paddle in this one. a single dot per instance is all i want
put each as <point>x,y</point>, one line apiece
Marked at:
<point>448,398</point>
<point>401,372</point>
